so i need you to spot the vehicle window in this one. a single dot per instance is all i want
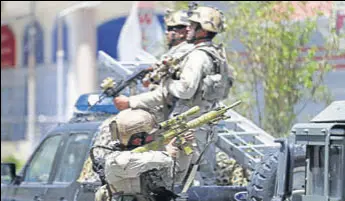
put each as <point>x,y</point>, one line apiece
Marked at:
<point>41,164</point>
<point>76,149</point>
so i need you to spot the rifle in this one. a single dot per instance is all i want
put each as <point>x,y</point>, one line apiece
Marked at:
<point>179,119</point>
<point>180,127</point>
<point>168,66</point>
<point>111,89</point>
<point>161,69</point>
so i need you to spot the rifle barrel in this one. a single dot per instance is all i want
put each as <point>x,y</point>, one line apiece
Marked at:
<point>182,116</point>
<point>199,121</point>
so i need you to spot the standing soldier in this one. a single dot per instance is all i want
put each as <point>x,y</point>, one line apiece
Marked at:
<point>176,33</point>
<point>176,23</point>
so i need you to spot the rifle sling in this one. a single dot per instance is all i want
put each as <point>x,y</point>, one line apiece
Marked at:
<point>192,171</point>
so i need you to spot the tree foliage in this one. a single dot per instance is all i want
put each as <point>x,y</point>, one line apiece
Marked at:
<point>275,66</point>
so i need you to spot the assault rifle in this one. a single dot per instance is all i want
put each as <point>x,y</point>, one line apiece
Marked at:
<point>180,126</point>
<point>161,69</point>
<point>168,66</point>
<point>112,89</point>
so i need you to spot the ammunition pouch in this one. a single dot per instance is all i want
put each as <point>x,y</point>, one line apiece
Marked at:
<point>213,87</point>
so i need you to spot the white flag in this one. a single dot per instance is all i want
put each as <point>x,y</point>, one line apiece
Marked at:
<point>152,32</point>
<point>141,32</point>
<point>129,43</point>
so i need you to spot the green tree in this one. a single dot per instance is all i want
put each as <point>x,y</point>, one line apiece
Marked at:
<point>275,60</point>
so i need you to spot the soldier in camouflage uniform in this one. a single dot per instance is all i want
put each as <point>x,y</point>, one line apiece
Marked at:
<point>147,176</point>
<point>176,32</point>
<point>179,95</point>
<point>124,169</point>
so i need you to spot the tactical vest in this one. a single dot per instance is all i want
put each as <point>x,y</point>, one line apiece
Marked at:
<point>215,83</point>
<point>218,80</point>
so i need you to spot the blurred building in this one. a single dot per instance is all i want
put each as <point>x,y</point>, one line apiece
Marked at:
<point>106,21</point>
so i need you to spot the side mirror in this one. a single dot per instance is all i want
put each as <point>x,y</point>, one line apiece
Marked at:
<point>8,172</point>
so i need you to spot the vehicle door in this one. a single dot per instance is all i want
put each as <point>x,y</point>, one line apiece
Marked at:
<point>68,167</point>
<point>37,172</point>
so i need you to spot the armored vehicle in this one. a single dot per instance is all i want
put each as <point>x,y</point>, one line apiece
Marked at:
<point>321,162</point>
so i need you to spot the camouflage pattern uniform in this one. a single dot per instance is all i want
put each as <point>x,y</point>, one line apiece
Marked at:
<point>102,137</point>
<point>229,172</point>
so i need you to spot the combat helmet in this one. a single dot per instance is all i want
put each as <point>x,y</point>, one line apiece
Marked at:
<point>176,18</point>
<point>130,122</point>
<point>210,19</point>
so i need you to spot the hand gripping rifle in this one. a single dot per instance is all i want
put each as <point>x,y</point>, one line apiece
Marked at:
<point>181,126</point>
<point>167,66</point>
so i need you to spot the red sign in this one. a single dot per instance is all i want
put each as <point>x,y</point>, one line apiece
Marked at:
<point>8,48</point>
<point>340,23</point>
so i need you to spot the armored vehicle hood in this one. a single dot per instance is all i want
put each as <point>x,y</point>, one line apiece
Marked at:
<point>335,112</point>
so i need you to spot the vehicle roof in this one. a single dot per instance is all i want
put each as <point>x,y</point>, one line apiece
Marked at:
<point>91,126</point>
<point>335,112</point>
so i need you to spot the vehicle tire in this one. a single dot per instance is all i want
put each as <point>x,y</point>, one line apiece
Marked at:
<point>263,181</point>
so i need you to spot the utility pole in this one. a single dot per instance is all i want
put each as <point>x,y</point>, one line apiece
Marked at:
<point>31,126</point>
